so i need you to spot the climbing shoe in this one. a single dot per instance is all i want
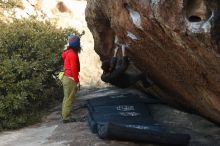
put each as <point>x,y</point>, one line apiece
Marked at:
<point>69,120</point>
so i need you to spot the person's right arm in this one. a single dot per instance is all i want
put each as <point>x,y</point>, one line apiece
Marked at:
<point>113,63</point>
<point>121,69</point>
<point>74,63</point>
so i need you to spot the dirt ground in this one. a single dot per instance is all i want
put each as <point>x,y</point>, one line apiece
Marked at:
<point>52,132</point>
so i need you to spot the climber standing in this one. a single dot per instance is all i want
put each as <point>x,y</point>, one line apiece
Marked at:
<point>114,71</point>
<point>71,79</point>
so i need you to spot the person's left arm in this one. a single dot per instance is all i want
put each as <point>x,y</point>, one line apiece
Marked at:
<point>106,77</point>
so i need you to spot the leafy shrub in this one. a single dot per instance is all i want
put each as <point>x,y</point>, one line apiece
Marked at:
<point>29,57</point>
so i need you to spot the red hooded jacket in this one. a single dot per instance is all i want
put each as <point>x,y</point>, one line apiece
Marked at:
<point>71,64</point>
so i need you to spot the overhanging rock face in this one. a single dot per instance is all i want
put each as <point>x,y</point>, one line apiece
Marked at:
<point>176,43</point>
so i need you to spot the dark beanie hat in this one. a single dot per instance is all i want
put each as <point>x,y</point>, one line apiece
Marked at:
<point>73,40</point>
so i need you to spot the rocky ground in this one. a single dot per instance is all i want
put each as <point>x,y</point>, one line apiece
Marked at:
<point>52,132</point>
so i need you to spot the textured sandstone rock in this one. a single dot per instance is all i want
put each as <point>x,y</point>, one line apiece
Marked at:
<point>176,43</point>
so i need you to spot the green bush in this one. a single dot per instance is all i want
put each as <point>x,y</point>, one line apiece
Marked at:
<point>30,55</point>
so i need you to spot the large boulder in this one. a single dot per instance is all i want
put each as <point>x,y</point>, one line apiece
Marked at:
<point>175,43</point>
